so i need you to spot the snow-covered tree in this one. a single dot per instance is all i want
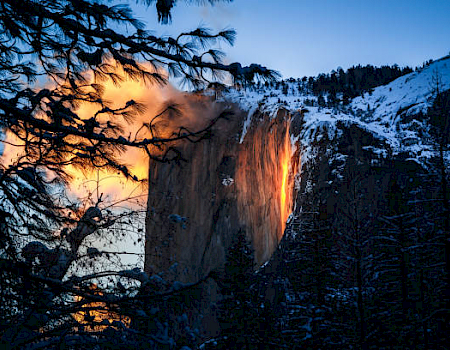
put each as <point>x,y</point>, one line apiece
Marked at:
<point>55,56</point>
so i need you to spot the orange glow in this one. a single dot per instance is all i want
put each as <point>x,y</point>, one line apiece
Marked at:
<point>194,111</point>
<point>285,197</point>
<point>115,188</point>
<point>96,312</point>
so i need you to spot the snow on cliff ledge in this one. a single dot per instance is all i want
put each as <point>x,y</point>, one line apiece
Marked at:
<point>379,112</point>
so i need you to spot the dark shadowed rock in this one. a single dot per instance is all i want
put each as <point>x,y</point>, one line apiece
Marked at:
<point>224,186</point>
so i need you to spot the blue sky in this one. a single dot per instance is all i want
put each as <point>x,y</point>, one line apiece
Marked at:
<point>306,37</point>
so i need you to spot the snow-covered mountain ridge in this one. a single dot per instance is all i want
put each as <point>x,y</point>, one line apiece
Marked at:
<point>387,111</point>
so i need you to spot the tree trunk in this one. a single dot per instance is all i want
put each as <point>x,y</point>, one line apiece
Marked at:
<point>403,275</point>
<point>424,311</point>
<point>359,283</point>
<point>446,206</point>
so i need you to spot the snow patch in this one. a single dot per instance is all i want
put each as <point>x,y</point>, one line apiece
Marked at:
<point>227,181</point>
<point>247,122</point>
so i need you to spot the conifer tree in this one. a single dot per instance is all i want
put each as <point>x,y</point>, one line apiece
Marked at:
<point>439,121</point>
<point>237,311</point>
<point>55,56</point>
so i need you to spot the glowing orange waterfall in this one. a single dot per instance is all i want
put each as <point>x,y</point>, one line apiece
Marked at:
<point>227,184</point>
<point>285,205</point>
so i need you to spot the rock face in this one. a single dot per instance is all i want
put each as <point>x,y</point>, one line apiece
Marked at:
<point>228,183</point>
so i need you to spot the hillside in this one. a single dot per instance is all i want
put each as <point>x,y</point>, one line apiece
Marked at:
<point>391,112</point>
<point>364,260</point>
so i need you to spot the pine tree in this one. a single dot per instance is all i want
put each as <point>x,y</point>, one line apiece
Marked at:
<point>237,311</point>
<point>439,120</point>
<point>55,56</point>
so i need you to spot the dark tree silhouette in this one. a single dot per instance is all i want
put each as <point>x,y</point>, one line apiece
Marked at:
<point>72,47</point>
<point>236,310</point>
<point>439,122</point>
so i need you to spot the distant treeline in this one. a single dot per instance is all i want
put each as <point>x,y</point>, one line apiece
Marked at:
<point>355,81</point>
<point>342,86</point>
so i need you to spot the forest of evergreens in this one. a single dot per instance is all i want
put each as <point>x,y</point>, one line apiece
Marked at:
<point>364,261</point>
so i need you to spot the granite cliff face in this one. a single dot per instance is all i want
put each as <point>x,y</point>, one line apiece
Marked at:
<point>234,180</point>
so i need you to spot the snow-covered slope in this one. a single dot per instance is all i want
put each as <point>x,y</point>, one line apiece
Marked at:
<point>387,112</point>
<point>411,93</point>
